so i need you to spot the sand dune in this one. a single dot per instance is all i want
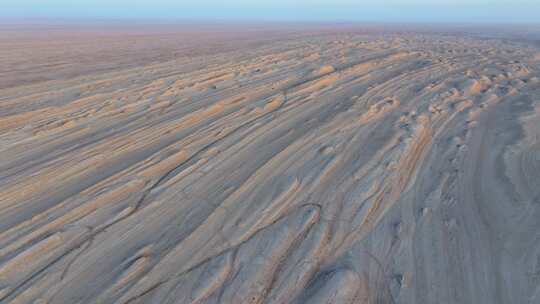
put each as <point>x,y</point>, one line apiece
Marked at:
<point>312,165</point>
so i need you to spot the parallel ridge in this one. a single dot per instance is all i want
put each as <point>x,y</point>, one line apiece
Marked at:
<point>330,169</point>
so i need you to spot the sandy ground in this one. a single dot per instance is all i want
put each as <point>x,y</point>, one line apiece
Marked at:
<point>184,164</point>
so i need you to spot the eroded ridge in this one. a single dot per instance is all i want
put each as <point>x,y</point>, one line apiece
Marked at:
<point>336,168</point>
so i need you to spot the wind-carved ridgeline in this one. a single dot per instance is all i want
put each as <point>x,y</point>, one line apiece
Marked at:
<point>332,168</point>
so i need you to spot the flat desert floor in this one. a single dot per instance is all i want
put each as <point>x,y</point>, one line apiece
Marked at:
<point>268,164</point>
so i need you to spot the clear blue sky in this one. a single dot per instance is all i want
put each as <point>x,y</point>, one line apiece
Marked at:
<point>497,11</point>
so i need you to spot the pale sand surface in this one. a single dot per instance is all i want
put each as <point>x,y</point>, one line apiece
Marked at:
<point>268,164</point>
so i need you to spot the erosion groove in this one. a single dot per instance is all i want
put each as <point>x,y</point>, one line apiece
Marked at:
<point>322,166</point>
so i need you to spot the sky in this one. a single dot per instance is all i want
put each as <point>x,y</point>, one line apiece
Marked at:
<point>444,11</point>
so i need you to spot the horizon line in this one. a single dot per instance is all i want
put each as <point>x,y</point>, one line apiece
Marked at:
<point>277,21</point>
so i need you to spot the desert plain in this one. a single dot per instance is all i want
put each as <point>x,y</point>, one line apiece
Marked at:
<point>242,163</point>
